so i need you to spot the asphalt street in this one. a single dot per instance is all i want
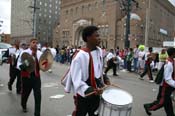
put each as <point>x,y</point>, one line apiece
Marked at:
<point>55,102</point>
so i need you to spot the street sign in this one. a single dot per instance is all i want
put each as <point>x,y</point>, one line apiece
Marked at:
<point>169,43</point>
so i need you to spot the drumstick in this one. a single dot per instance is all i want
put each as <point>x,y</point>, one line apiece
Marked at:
<point>114,85</point>
<point>91,93</point>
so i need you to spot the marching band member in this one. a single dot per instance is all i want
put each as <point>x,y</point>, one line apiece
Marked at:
<point>31,80</point>
<point>147,69</point>
<point>13,55</point>
<point>111,63</point>
<point>165,89</point>
<point>86,68</point>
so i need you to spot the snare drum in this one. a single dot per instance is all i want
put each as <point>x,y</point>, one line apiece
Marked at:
<point>115,102</point>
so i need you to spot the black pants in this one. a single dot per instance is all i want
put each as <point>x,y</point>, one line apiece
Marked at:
<point>85,106</point>
<point>110,65</point>
<point>27,85</point>
<point>147,70</point>
<point>15,73</point>
<point>163,100</point>
<point>129,65</point>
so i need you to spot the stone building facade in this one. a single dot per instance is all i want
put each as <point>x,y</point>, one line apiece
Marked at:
<point>153,20</point>
<point>21,19</point>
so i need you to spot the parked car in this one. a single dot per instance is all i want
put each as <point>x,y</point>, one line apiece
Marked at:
<point>3,49</point>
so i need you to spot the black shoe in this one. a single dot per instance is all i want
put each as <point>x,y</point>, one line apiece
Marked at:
<point>24,110</point>
<point>147,110</point>
<point>18,92</point>
<point>9,87</point>
<point>24,107</point>
<point>115,74</point>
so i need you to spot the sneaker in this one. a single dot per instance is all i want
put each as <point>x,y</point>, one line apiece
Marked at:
<point>147,110</point>
<point>9,87</point>
<point>141,78</point>
<point>151,81</point>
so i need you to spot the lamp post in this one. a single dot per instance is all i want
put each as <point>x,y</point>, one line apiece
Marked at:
<point>126,6</point>
<point>34,17</point>
<point>128,11</point>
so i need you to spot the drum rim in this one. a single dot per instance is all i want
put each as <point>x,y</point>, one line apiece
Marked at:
<point>115,105</point>
<point>118,89</point>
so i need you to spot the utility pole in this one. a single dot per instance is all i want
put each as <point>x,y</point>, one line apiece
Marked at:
<point>128,11</point>
<point>147,22</point>
<point>127,7</point>
<point>34,7</point>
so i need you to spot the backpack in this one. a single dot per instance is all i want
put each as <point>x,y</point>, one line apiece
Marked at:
<point>159,76</point>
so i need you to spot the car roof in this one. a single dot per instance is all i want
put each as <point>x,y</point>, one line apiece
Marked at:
<point>5,45</point>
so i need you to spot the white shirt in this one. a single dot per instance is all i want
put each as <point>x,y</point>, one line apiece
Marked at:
<point>141,55</point>
<point>38,54</point>
<point>109,56</point>
<point>79,69</point>
<point>136,52</point>
<point>168,71</point>
<point>43,49</point>
<point>16,52</point>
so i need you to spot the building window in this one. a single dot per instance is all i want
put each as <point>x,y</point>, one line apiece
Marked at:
<point>82,8</point>
<point>71,11</point>
<point>50,16</point>
<point>50,11</point>
<point>40,3</point>
<point>67,12</point>
<point>45,4</point>
<point>50,5</point>
<point>39,20</point>
<point>89,7</point>
<point>96,5</point>
<point>76,10</point>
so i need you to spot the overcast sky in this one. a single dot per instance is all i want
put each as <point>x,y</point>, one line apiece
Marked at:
<point>5,9</point>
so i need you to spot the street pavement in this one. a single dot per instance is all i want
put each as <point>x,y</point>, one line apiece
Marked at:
<point>55,102</point>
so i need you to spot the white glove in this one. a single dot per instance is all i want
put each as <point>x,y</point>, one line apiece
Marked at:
<point>26,62</point>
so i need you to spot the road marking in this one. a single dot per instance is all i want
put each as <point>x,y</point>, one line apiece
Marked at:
<point>1,85</point>
<point>56,96</point>
<point>3,93</point>
<point>154,89</point>
<point>50,84</point>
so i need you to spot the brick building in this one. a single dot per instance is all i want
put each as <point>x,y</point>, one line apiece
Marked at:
<point>153,20</point>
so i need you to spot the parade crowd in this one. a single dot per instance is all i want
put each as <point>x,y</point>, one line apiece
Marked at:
<point>87,75</point>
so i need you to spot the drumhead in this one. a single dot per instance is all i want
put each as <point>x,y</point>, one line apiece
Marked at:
<point>117,96</point>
